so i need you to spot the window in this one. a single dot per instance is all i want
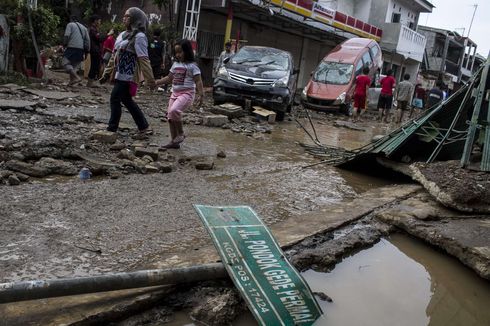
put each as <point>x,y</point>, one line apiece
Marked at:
<point>359,67</point>
<point>368,62</point>
<point>411,25</point>
<point>333,73</point>
<point>374,51</point>
<point>395,18</point>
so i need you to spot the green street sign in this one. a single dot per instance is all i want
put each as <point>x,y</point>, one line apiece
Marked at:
<point>273,289</point>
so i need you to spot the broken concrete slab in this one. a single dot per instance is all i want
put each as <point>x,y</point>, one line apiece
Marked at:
<point>53,95</point>
<point>12,87</point>
<point>204,165</point>
<point>80,309</point>
<point>215,120</point>
<point>54,166</point>
<point>17,104</point>
<point>26,168</point>
<point>267,114</point>
<point>232,111</point>
<point>466,238</point>
<point>461,189</point>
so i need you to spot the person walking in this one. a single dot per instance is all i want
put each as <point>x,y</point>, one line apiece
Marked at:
<point>404,92</point>
<point>385,100</point>
<point>418,101</point>
<point>360,94</point>
<point>131,53</point>
<point>226,53</point>
<point>76,41</point>
<point>185,77</point>
<point>435,95</point>
<point>157,52</point>
<point>108,47</point>
<point>95,50</point>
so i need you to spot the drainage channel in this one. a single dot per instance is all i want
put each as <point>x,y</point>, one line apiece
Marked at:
<point>399,281</point>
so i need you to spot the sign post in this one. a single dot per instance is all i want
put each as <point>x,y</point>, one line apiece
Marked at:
<point>274,291</point>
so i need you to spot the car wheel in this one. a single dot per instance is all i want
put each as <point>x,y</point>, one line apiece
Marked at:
<point>280,115</point>
<point>216,102</point>
<point>345,109</point>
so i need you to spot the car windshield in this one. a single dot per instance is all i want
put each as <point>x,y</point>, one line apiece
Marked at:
<point>333,73</point>
<point>262,57</point>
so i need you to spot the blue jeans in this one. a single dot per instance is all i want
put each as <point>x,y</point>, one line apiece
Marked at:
<point>120,95</point>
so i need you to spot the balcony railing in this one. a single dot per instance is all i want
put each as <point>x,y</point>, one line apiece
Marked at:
<point>411,44</point>
<point>404,41</point>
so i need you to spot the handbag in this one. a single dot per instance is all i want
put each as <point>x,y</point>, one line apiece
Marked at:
<point>133,88</point>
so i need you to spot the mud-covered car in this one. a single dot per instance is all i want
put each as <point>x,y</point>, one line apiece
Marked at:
<point>264,75</point>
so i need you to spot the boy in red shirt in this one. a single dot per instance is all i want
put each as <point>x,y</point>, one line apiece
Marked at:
<point>360,93</point>
<point>385,100</point>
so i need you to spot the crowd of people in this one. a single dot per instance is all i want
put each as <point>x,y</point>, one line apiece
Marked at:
<point>406,95</point>
<point>129,59</point>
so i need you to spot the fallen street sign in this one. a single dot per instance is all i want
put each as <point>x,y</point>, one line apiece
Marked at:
<point>274,291</point>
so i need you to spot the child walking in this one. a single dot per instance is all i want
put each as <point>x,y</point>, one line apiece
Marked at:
<point>185,77</point>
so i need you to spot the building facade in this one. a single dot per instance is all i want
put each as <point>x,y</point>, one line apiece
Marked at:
<point>448,56</point>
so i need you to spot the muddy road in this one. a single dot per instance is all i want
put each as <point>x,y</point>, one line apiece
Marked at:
<point>126,219</point>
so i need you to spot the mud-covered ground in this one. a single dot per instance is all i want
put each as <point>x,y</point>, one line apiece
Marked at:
<point>136,212</point>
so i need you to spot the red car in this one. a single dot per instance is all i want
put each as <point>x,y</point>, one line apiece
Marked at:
<point>331,85</point>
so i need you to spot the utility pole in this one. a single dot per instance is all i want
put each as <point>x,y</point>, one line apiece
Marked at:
<point>471,23</point>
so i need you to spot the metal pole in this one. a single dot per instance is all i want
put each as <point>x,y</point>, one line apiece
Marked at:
<point>12,292</point>
<point>471,23</point>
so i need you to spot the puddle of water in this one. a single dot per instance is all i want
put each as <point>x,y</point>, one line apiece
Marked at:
<point>401,281</point>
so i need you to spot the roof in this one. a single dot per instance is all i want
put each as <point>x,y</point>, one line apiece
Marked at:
<point>349,50</point>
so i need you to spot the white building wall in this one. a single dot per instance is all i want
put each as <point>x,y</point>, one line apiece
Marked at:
<point>362,9</point>
<point>407,15</point>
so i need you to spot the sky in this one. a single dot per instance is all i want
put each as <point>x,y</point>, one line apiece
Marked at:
<point>456,15</point>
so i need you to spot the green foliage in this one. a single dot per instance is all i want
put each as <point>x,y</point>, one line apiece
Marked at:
<point>107,25</point>
<point>44,23</point>
<point>13,77</point>
<point>162,3</point>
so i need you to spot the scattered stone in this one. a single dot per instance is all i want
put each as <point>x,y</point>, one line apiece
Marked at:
<point>54,166</point>
<point>17,156</point>
<point>221,154</point>
<point>13,180</point>
<point>118,146</point>
<point>26,168</point>
<point>104,136</point>
<point>215,120</point>
<point>218,308</point>
<point>22,177</point>
<point>147,158</point>
<point>204,165</point>
<point>151,168</point>
<point>323,296</point>
<point>143,151</point>
<point>126,154</point>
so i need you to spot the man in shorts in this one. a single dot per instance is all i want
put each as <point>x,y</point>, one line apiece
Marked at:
<point>360,94</point>
<point>385,99</point>
<point>76,41</point>
<point>404,92</point>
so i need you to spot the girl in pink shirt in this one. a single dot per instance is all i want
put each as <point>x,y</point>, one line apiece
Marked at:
<point>185,77</point>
